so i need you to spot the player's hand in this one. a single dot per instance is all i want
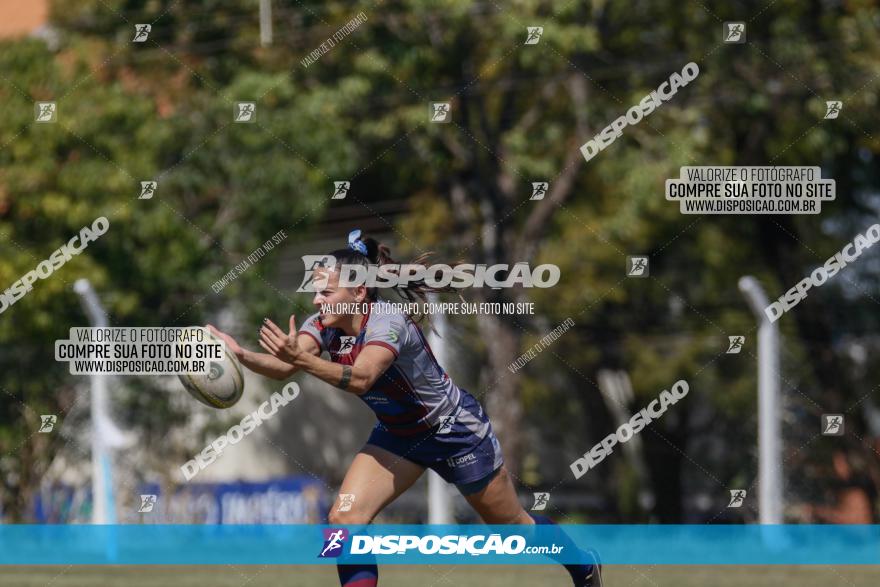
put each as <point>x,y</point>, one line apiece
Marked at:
<point>231,344</point>
<point>279,344</point>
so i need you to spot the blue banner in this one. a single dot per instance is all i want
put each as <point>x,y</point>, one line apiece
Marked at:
<point>439,544</point>
<point>287,500</point>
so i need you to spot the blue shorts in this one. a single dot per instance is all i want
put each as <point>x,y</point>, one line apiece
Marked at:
<point>458,454</point>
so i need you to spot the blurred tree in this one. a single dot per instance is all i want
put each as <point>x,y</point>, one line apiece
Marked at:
<point>223,190</point>
<point>519,113</point>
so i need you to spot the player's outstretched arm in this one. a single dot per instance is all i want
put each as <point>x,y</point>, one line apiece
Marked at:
<point>372,361</point>
<point>264,363</point>
<point>290,348</point>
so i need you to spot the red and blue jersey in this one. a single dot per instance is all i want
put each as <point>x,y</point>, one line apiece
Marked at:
<point>414,394</point>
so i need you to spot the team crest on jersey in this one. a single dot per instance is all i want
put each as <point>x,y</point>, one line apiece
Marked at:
<point>346,344</point>
<point>391,335</point>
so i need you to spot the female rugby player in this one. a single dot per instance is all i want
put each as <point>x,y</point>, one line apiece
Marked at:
<point>425,419</point>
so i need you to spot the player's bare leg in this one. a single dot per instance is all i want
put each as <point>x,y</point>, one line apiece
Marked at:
<point>498,503</point>
<point>375,478</point>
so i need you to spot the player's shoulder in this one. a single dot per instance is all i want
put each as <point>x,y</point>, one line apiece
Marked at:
<point>388,321</point>
<point>389,316</point>
<point>313,328</point>
<point>313,322</point>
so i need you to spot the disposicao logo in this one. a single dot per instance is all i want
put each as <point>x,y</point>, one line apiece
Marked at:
<point>334,538</point>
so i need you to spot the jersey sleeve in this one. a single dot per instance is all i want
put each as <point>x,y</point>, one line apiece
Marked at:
<point>312,328</point>
<point>388,330</point>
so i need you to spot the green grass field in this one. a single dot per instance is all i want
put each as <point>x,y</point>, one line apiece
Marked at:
<point>438,576</point>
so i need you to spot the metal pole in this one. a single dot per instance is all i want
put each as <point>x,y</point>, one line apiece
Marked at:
<point>439,498</point>
<point>103,504</point>
<point>617,388</point>
<point>265,22</point>
<point>769,414</point>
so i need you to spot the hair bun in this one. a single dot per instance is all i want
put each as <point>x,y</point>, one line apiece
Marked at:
<point>372,249</point>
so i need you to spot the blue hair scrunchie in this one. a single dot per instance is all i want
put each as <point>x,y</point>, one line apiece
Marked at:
<point>355,243</point>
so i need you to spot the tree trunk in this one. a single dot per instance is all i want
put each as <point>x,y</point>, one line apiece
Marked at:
<point>501,387</point>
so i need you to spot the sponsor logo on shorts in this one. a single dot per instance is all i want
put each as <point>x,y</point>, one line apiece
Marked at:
<point>463,461</point>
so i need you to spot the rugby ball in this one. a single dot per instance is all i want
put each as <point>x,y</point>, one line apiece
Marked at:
<point>222,386</point>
